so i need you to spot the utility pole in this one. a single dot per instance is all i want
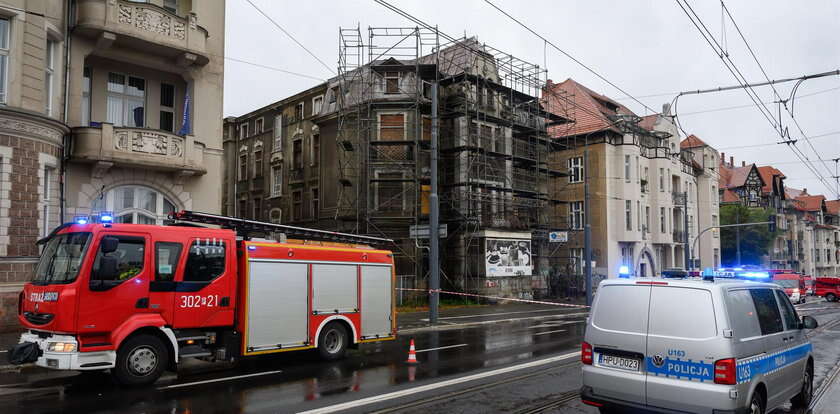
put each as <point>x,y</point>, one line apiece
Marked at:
<point>587,230</point>
<point>434,232</point>
<point>737,236</point>
<point>686,252</point>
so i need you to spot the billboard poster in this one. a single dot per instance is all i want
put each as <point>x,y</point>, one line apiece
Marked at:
<point>507,257</point>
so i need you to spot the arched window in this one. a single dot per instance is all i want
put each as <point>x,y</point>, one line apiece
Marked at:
<point>134,204</point>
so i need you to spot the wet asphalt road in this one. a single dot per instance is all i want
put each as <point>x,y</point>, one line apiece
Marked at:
<point>473,342</point>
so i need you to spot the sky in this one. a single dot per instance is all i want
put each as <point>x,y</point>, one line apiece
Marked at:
<point>645,47</point>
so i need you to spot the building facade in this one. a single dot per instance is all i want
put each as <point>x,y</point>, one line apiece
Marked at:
<point>94,102</point>
<point>354,155</point>
<point>645,185</point>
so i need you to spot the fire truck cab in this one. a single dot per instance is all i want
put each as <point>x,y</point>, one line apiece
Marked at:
<point>137,299</point>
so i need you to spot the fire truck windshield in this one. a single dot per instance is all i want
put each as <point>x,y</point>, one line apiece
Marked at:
<point>61,259</point>
<point>787,283</point>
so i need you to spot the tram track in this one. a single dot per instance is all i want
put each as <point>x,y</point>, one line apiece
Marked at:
<point>566,396</point>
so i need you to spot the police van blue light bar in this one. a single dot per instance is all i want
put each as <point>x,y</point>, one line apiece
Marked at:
<point>81,220</point>
<point>737,273</point>
<point>106,217</point>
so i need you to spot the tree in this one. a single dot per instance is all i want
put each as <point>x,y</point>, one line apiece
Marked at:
<point>755,240</point>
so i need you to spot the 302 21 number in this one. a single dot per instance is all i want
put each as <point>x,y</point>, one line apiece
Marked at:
<point>198,301</point>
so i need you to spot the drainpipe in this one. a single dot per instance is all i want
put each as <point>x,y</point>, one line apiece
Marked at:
<point>66,144</point>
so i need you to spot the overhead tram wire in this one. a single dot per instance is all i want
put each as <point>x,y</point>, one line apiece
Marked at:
<point>260,65</point>
<point>776,92</point>
<point>743,84</point>
<point>583,65</point>
<point>332,71</point>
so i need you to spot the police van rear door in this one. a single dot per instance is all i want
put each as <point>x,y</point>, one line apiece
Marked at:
<point>683,343</point>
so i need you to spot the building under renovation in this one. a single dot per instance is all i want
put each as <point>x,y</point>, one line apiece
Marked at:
<point>372,166</point>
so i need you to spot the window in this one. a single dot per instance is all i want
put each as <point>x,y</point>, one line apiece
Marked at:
<point>647,218</point>
<point>662,220</point>
<point>49,75</point>
<point>715,232</point>
<point>297,154</point>
<point>391,127</point>
<point>741,307</point>
<point>243,166</point>
<point>167,107</point>
<point>129,258</point>
<point>276,180</point>
<point>389,191</point>
<point>46,200</point>
<point>258,126</point>
<point>205,261</point>
<point>297,205</point>
<point>576,219</point>
<point>258,159</point>
<point>392,82</point>
<point>314,149</point>
<point>490,98</point>
<point>333,94</point>
<point>716,258</point>
<point>257,209</point>
<point>622,300</point>
<point>299,111</point>
<point>316,207</point>
<point>668,307</point>
<point>166,259</point>
<point>638,169</point>
<point>628,215</point>
<point>126,100</point>
<point>479,94</point>
<point>576,170</point>
<point>500,139</point>
<point>278,133</point>
<point>135,204</point>
<point>769,317</point>
<point>317,102</point>
<point>577,256</point>
<point>661,179</point>
<point>276,215</point>
<point>171,5</point>
<point>627,168</point>
<point>638,215</point>
<point>788,311</point>
<point>243,208</point>
<point>5,23</point>
<point>86,73</point>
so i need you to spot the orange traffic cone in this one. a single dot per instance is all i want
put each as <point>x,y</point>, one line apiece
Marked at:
<point>412,354</point>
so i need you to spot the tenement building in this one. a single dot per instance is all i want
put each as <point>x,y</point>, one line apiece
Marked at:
<point>353,154</point>
<point>651,193</point>
<point>107,105</point>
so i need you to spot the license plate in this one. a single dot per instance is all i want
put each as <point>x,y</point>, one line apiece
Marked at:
<point>617,362</point>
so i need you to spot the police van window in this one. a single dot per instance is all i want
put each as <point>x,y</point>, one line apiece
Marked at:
<point>622,308</point>
<point>669,307</point>
<point>205,261</point>
<point>130,257</point>
<point>742,314</point>
<point>788,311</point>
<point>769,317</point>
<point>166,256</point>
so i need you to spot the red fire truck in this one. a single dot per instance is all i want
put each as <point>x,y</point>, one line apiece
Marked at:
<point>138,299</point>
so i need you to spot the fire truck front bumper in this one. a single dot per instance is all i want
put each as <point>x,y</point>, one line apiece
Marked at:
<point>62,352</point>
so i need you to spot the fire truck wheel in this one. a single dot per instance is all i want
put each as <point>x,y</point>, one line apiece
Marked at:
<point>830,297</point>
<point>332,344</point>
<point>141,360</point>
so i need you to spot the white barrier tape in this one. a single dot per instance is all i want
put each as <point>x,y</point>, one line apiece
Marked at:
<point>539,302</point>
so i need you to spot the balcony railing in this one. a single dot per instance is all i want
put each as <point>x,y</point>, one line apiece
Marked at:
<point>163,32</point>
<point>678,235</point>
<point>139,147</point>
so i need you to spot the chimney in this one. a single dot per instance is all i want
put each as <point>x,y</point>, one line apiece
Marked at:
<point>723,158</point>
<point>743,163</point>
<point>666,109</point>
<point>731,162</point>
<point>804,191</point>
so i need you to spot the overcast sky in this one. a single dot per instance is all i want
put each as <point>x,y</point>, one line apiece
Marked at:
<point>646,47</point>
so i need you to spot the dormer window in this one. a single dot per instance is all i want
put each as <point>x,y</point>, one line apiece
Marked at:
<point>392,82</point>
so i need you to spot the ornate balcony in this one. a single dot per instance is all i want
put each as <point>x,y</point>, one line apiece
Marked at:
<point>107,146</point>
<point>144,26</point>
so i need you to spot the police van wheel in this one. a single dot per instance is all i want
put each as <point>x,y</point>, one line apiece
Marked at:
<point>141,360</point>
<point>803,399</point>
<point>333,342</point>
<point>756,404</point>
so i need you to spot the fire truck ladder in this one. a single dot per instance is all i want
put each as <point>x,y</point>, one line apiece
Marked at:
<point>243,227</point>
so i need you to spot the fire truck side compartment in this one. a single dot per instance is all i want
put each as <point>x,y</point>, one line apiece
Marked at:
<point>376,300</point>
<point>277,304</point>
<point>335,288</point>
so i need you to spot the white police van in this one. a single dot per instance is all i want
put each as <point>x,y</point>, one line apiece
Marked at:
<point>709,345</point>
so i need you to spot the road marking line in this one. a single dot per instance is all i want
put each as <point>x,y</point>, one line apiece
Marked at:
<point>509,313</point>
<point>479,323</point>
<point>548,332</point>
<point>440,347</point>
<point>187,384</point>
<point>553,325</point>
<point>3,352</point>
<point>423,388</point>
